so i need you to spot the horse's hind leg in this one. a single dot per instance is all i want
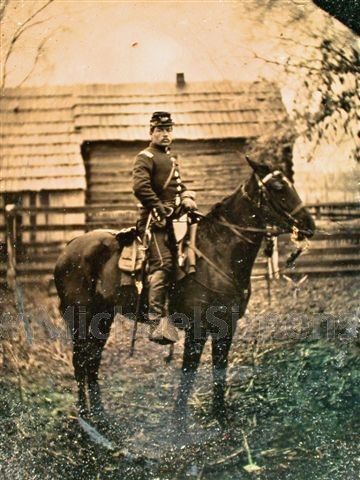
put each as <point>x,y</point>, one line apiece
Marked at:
<point>220,352</point>
<point>100,329</point>
<point>77,322</point>
<point>93,364</point>
<point>79,361</point>
<point>192,353</point>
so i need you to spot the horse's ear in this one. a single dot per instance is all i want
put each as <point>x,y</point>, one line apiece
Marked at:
<point>260,168</point>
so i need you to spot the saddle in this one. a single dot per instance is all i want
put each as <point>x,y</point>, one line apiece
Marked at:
<point>132,259</point>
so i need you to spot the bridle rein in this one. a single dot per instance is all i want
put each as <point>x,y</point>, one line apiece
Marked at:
<point>270,230</point>
<point>239,231</point>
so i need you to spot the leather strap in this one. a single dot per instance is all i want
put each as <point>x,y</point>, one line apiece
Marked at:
<point>200,254</point>
<point>168,180</point>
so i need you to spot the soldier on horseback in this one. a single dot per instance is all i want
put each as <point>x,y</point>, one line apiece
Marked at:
<point>163,196</point>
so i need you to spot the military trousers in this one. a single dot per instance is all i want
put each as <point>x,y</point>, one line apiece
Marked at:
<point>162,256</point>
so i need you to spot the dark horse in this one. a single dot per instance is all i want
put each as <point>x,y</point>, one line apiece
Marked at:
<point>207,303</point>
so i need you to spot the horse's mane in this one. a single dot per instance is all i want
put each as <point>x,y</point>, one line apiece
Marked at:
<point>219,208</point>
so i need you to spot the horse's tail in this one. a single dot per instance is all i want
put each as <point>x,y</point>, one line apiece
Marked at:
<point>79,265</point>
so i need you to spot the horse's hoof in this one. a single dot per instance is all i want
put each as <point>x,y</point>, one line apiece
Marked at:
<point>180,421</point>
<point>83,411</point>
<point>168,359</point>
<point>180,434</point>
<point>98,413</point>
<point>221,416</point>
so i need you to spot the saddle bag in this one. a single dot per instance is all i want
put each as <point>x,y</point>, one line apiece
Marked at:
<point>132,257</point>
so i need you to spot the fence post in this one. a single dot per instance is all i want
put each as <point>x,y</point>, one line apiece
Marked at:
<point>10,216</point>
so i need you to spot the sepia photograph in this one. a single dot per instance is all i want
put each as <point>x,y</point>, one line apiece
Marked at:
<point>179,240</point>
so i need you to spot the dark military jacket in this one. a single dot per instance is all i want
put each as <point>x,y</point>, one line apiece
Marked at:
<point>151,170</point>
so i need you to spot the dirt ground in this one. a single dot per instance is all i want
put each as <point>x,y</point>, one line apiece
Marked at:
<point>293,394</point>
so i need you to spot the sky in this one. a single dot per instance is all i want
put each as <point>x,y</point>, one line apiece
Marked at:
<point>113,41</point>
<point>120,42</point>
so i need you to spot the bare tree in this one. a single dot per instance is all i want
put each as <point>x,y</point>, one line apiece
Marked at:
<point>3,4</point>
<point>27,24</point>
<point>325,66</point>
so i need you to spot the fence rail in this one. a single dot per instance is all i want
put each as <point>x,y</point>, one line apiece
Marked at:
<point>331,251</point>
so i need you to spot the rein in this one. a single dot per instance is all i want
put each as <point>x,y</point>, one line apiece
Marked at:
<point>239,231</point>
<point>200,254</point>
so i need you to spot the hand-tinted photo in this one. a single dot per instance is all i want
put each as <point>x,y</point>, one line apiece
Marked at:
<point>179,240</point>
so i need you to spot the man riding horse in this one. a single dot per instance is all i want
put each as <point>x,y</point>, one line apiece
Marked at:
<point>163,196</point>
<point>90,283</point>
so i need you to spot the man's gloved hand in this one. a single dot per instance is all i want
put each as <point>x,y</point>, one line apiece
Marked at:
<point>188,204</point>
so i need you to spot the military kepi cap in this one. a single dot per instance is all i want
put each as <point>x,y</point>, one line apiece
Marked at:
<point>161,119</point>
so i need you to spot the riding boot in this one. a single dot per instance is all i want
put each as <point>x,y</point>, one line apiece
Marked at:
<point>162,329</point>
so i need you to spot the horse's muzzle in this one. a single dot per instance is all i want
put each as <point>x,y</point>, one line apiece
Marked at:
<point>302,234</point>
<point>306,227</point>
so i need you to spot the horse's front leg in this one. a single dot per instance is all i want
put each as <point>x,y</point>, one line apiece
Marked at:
<point>192,352</point>
<point>220,352</point>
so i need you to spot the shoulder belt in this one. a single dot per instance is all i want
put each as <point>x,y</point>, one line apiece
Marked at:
<point>173,166</point>
<point>168,180</point>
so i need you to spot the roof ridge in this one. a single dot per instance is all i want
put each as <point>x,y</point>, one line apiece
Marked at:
<point>76,89</point>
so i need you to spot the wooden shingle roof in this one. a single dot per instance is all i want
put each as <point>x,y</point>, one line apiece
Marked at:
<point>39,146</point>
<point>42,128</point>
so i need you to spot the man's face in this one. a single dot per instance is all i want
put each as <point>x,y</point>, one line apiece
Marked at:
<point>162,136</point>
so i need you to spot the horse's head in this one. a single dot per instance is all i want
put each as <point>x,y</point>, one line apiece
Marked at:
<point>280,203</point>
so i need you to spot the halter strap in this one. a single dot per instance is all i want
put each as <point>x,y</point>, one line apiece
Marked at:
<point>297,209</point>
<point>269,176</point>
<point>262,185</point>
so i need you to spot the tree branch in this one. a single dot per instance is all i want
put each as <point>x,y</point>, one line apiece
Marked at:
<point>287,65</point>
<point>3,4</point>
<point>39,22</point>
<point>39,51</point>
<point>20,30</point>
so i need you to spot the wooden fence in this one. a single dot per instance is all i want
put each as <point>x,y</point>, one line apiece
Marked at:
<point>332,250</point>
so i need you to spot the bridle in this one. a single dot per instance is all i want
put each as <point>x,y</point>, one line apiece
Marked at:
<point>264,194</point>
<point>268,230</point>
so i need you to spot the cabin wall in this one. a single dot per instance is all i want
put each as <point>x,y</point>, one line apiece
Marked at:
<point>213,168</point>
<point>66,198</point>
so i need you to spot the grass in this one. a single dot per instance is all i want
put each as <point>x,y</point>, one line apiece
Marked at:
<point>293,397</point>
